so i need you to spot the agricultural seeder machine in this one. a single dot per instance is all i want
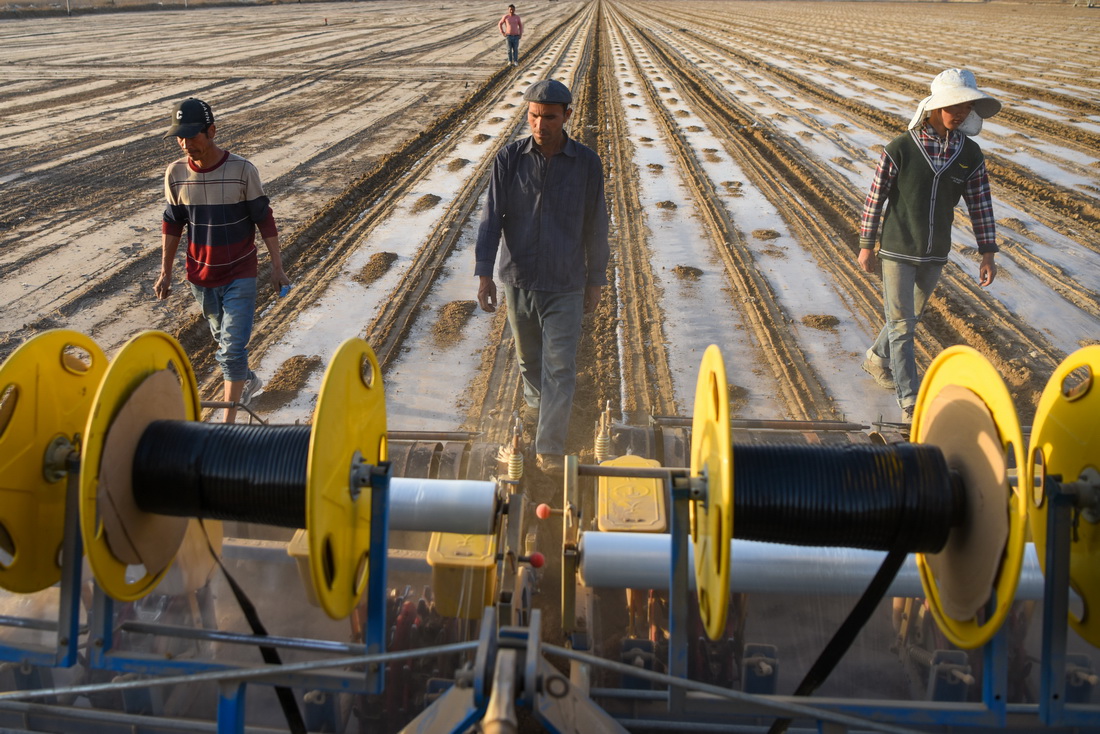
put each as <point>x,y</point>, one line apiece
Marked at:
<point>163,574</point>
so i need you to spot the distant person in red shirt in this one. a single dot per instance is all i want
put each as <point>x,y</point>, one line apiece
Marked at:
<point>511,27</point>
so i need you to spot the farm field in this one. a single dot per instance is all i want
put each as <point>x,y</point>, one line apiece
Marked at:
<point>738,141</point>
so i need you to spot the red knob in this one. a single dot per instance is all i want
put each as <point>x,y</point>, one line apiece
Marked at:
<point>542,512</point>
<point>536,559</point>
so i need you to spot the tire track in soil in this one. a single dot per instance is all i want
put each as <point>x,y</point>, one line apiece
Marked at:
<point>105,182</point>
<point>1054,277</point>
<point>958,313</point>
<point>801,388</point>
<point>1067,209</point>
<point>648,384</point>
<point>347,221</point>
<point>52,201</point>
<point>497,392</point>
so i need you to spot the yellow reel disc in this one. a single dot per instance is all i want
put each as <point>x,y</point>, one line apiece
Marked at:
<point>146,354</point>
<point>46,391</point>
<point>712,520</point>
<point>350,421</point>
<point>1065,441</point>
<point>965,408</point>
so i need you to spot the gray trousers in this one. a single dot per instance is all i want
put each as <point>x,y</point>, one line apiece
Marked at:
<point>547,329</point>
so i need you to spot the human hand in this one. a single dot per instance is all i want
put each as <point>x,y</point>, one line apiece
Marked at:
<point>868,261</point>
<point>163,287</point>
<point>987,271</point>
<point>279,279</point>
<point>487,294</point>
<point>592,298</point>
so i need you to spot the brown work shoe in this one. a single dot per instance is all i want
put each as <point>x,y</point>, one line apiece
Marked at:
<point>550,463</point>
<point>882,374</point>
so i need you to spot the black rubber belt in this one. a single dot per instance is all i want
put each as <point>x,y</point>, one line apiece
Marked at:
<point>846,634</point>
<point>271,656</point>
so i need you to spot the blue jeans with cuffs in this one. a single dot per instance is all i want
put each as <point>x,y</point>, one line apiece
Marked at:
<point>906,288</point>
<point>229,309</point>
<point>547,331</point>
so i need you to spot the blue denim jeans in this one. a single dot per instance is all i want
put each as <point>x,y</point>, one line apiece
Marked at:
<point>906,289</point>
<point>229,309</point>
<point>513,48</point>
<point>547,330</point>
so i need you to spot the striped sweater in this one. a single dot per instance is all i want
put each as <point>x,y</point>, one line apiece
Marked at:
<point>221,206</point>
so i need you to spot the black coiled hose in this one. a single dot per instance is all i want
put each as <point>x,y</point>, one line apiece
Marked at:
<point>223,471</point>
<point>896,497</point>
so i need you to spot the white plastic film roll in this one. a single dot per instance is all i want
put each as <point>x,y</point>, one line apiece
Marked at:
<point>642,561</point>
<point>443,505</point>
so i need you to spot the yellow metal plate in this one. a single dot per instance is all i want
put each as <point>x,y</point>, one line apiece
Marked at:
<point>145,354</point>
<point>712,519</point>
<point>461,551</point>
<point>1065,441</point>
<point>463,573</point>
<point>964,367</point>
<point>631,504</point>
<point>350,418</point>
<point>46,391</point>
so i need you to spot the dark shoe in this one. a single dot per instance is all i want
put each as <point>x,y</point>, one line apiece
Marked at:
<point>252,386</point>
<point>907,414</point>
<point>880,373</point>
<point>550,463</point>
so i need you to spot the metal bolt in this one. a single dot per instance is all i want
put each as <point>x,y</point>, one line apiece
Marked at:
<point>556,686</point>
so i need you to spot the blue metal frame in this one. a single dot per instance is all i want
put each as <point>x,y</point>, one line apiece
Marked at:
<point>993,712</point>
<point>231,701</point>
<point>678,590</point>
<point>1054,710</point>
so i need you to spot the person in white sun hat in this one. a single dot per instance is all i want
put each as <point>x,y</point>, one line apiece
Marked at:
<point>920,178</point>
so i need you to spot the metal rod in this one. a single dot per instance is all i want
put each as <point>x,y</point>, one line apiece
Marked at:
<point>216,404</point>
<point>433,435</point>
<point>631,472</point>
<point>290,643</point>
<point>241,674</point>
<point>678,571</point>
<point>759,423</point>
<point>765,706</point>
<point>38,625</point>
<point>1052,678</point>
<point>132,722</point>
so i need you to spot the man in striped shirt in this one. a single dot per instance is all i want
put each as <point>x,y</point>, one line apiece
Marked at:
<point>219,198</point>
<point>921,176</point>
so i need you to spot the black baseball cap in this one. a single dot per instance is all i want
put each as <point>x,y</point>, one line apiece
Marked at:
<point>189,118</point>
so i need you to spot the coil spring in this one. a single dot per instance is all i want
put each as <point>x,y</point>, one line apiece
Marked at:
<point>515,466</point>
<point>603,447</point>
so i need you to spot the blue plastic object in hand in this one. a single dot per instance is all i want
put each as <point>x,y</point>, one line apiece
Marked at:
<point>283,291</point>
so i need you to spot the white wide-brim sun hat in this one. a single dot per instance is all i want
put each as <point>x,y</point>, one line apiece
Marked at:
<point>952,87</point>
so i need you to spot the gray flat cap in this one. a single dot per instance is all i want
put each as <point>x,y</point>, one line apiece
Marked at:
<point>548,91</point>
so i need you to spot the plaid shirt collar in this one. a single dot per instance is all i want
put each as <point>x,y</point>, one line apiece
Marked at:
<point>939,150</point>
